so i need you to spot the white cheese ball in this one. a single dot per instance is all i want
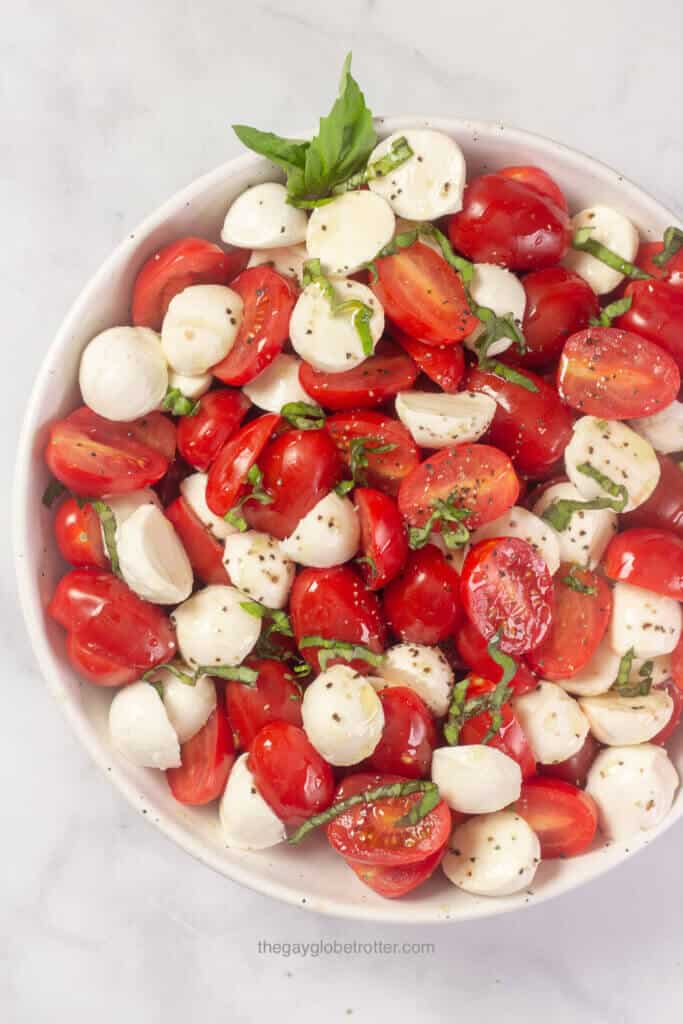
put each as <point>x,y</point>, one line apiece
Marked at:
<point>613,230</point>
<point>124,505</point>
<point>213,629</point>
<point>657,669</point>
<point>123,373</point>
<point>623,721</point>
<point>552,722</point>
<point>427,185</point>
<point>424,669</point>
<point>200,327</point>
<point>615,450</point>
<point>261,218</point>
<point>476,779</point>
<point>152,558</point>
<point>277,385</point>
<point>436,420</point>
<point>597,676</point>
<point>519,522</point>
<point>287,260</point>
<point>492,855</point>
<point>141,729</point>
<point>188,707</point>
<point>329,341</point>
<point>327,535</point>
<point>193,490</point>
<point>664,429</point>
<point>342,715</point>
<point>585,539</point>
<point>643,621</point>
<point>257,565</point>
<point>247,822</point>
<point>349,232</point>
<point>500,290</point>
<point>633,788</point>
<point>191,387</point>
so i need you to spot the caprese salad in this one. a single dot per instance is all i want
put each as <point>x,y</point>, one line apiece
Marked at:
<point>375,513</point>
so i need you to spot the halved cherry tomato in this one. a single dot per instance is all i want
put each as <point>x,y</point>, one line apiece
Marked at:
<point>409,735</point>
<point>268,299</point>
<point>444,364</point>
<point>392,882</point>
<point>533,427</point>
<point>203,550</point>
<point>647,558</point>
<point>558,304</point>
<point>92,456</point>
<point>228,474</point>
<point>539,180</point>
<point>575,768</point>
<point>422,605</point>
<point>79,534</point>
<point>509,223</point>
<point>336,604</point>
<point>96,666</point>
<point>424,296</point>
<point>656,313</point>
<point>473,650</point>
<point>672,271</point>
<point>563,817</point>
<point>383,537</point>
<point>367,832</point>
<point>476,477</point>
<point>299,468</point>
<point>177,266</point>
<point>168,488</point>
<point>385,470</point>
<point>156,431</point>
<point>510,738</point>
<point>616,374</point>
<point>207,759</point>
<point>506,587</point>
<point>663,510</point>
<point>677,697</point>
<point>290,774</point>
<point>379,378</point>
<point>201,437</point>
<point>274,697</point>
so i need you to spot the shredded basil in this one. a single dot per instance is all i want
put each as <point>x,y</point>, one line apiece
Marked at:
<point>444,510</point>
<point>255,480</point>
<point>461,709</point>
<point>399,152</point>
<point>279,620</point>
<point>108,521</point>
<point>584,243</point>
<point>574,583</point>
<point>617,491</point>
<point>239,673</point>
<point>54,490</point>
<point>612,311</point>
<point>508,373</point>
<point>303,415</point>
<point>358,455</point>
<point>559,513</point>
<point>343,487</point>
<point>178,404</point>
<point>360,312</point>
<point>347,651</point>
<point>170,666</point>
<point>673,242</point>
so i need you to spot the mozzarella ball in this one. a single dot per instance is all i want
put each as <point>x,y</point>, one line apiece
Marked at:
<point>612,448</point>
<point>213,629</point>
<point>141,729</point>
<point>589,531</point>
<point>633,788</point>
<point>193,490</point>
<point>657,669</point>
<point>436,420</point>
<point>492,855</point>
<point>430,183</point>
<point>191,387</point>
<point>329,341</point>
<point>644,621</point>
<point>188,707</point>
<point>500,290</point>
<point>424,669</point>
<point>552,722</point>
<point>624,721</point>
<point>257,566</point>
<point>613,230</point>
<point>327,535</point>
<point>349,232</point>
<point>342,715</point>
<point>476,779</point>
<point>200,327</point>
<point>261,218</point>
<point>124,505</point>
<point>664,429</point>
<point>288,260</point>
<point>277,385</point>
<point>152,558</point>
<point>247,822</point>
<point>597,676</point>
<point>519,522</point>
<point>123,373</point>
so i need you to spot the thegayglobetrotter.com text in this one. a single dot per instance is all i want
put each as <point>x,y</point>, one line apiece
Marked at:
<point>332,947</point>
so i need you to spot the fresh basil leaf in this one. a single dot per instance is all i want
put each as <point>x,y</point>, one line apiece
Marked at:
<point>343,649</point>
<point>170,666</point>
<point>303,415</point>
<point>617,491</point>
<point>584,243</point>
<point>343,487</point>
<point>673,241</point>
<point>239,673</point>
<point>108,521</point>
<point>290,154</point>
<point>559,513</point>
<point>611,312</point>
<point>178,404</point>
<point>508,373</point>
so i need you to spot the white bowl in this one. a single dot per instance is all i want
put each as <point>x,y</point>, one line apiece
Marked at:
<point>310,875</point>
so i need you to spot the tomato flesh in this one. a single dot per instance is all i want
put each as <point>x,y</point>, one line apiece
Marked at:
<point>227,481</point>
<point>399,879</point>
<point>290,774</point>
<point>206,762</point>
<point>96,665</point>
<point>409,736</point>
<point>652,559</point>
<point>385,470</point>
<point>383,538</point>
<point>444,364</point>
<point>472,648</point>
<point>79,535</point>
<point>377,379</point>
<point>563,817</point>
<point>274,697</point>
<point>422,605</point>
<point>201,437</point>
<point>202,548</point>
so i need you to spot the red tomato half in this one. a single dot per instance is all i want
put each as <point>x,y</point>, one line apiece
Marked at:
<point>558,304</point>
<point>383,537</point>
<point>444,364</point>
<point>156,431</point>
<point>575,768</point>
<point>392,882</point>
<point>563,817</point>
<point>656,313</point>
<point>228,475</point>
<point>677,664</point>
<point>663,510</point>
<point>537,179</point>
<point>268,300</point>
<point>672,271</point>
<point>677,697</point>
<point>290,774</point>
<point>422,605</point>
<point>274,697</point>
<point>203,550</point>
<point>79,535</point>
<point>510,738</point>
<point>96,666</point>
<point>409,736</point>
<point>379,378</point>
<point>207,759</point>
<point>473,650</point>
<point>647,558</point>
<point>201,437</point>
<point>385,470</point>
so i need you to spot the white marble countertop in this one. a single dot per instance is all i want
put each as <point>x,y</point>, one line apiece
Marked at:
<point>107,110</point>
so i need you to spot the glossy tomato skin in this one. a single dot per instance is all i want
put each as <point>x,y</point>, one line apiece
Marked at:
<point>672,271</point>
<point>227,481</point>
<point>472,648</point>
<point>409,735</point>
<point>579,622</point>
<point>532,427</point>
<point>422,605</point>
<point>274,697</point>
<point>96,665</point>
<point>375,381</point>
<point>510,738</point>
<point>669,729</point>
<point>539,180</point>
<point>201,437</point>
<point>290,774</point>
<point>392,882</point>
<point>647,558</point>
<point>444,364</point>
<point>383,537</point>
<point>510,223</point>
<point>79,535</point>
<point>268,300</point>
<point>203,550</point>
<point>656,313</point>
<point>663,510</point>
<point>558,304</point>
<point>155,430</point>
<point>177,266</point>
<point>564,818</point>
<point>206,762</point>
<point>575,768</point>
<point>386,470</point>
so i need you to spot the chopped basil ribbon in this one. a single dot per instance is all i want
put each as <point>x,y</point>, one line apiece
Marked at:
<point>461,709</point>
<point>508,373</point>
<point>456,713</point>
<point>279,621</point>
<point>54,490</point>
<point>444,510</point>
<point>343,487</point>
<point>673,241</point>
<point>303,669</point>
<point>239,673</point>
<point>361,314</point>
<point>303,415</point>
<point>370,562</point>
<point>343,649</point>
<point>405,239</point>
<point>584,243</point>
<point>621,684</point>
<point>570,580</point>
<point>392,791</point>
<point>617,491</point>
<point>611,312</point>
<point>399,152</point>
<point>169,666</point>
<point>559,513</point>
<point>108,522</point>
<point>234,515</point>
<point>358,456</point>
<point>178,404</point>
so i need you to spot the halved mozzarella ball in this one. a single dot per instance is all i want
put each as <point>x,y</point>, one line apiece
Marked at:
<point>213,629</point>
<point>424,669</point>
<point>624,721</point>
<point>430,183</point>
<point>261,218</point>
<point>436,420</point>
<point>342,715</point>
<point>288,260</point>
<point>247,822</point>
<point>141,729</point>
<point>615,450</point>
<point>663,430</point>
<point>200,327</point>
<point>598,675</point>
<point>152,558</point>
<point>589,531</point>
<point>124,505</point>
<point>633,787</point>
<point>502,291</point>
<point>647,622</point>
<point>329,341</point>
<point>257,566</point>
<point>349,232</point>
<point>191,387</point>
<point>476,779</point>
<point>657,669</point>
<point>193,490</point>
<point>519,522</point>
<point>277,385</point>
<point>123,373</point>
<point>327,535</point>
<point>492,855</point>
<point>552,721</point>
<point>188,707</point>
<point>404,225</point>
<point>613,230</point>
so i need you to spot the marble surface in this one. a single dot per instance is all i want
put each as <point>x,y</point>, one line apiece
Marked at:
<point>106,110</point>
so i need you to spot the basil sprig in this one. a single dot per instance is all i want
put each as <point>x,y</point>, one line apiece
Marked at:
<point>255,480</point>
<point>360,312</point>
<point>444,510</point>
<point>584,243</point>
<point>461,709</point>
<point>179,404</point>
<point>611,312</point>
<point>303,415</point>
<point>673,241</point>
<point>343,649</point>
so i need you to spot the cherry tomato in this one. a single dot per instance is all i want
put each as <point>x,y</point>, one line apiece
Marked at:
<point>677,664</point>
<point>532,427</point>
<point>96,666</point>
<point>384,470</point>
<point>274,697</point>
<point>663,510</point>
<point>177,266</point>
<point>647,558</point>
<point>201,437</point>
<point>510,738</point>
<point>227,481</point>
<point>677,697</point>
<point>383,538</point>
<point>79,535</point>
<point>268,300</point>
<point>476,477</point>
<point>367,833</point>
<point>615,374</point>
<point>563,817</point>
<point>579,622</point>
<point>473,650</point>
<point>506,587</point>
<point>424,296</point>
<point>206,762</point>
<point>558,304</point>
<point>156,431</point>
<point>656,313</point>
<point>290,774</point>
<point>392,882</point>
<point>444,364</point>
<point>672,271</point>
<point>92,456</point>
<point>422,605</point>
<point>379,378</point>
<point>409,736</point>
<point>511,223</point>
<point>336,604</point>
<point>575,768</point>
<point>203,550</point>
<point>168,488</point>
<point>538,180</point>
